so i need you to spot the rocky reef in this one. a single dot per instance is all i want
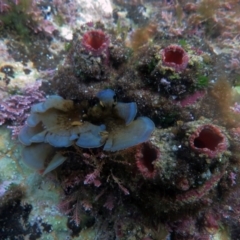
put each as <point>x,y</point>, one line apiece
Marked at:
<point>109,163</point>
<point>138,136</point>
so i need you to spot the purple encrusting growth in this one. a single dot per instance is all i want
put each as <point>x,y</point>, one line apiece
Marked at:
<point>236,108</point>
<point>5,6</point>
<point>16,108</point>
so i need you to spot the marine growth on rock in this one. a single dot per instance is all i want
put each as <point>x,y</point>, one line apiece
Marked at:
<point>95,41</point>
<point>175,57</point>
<point>208,139</point>
<point>95,134</point>
<point>58,123</point>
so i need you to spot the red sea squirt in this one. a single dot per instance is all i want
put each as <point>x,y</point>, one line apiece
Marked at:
<point>174,56</point>
<point>95,41</point>
<point>146,156</point>
<point>208,139</point>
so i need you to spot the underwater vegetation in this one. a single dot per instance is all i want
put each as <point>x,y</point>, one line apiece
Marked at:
<point>140,127</point>
<point>25,18</point>
<point>109,160</point>
<point>15,109</point>
<point>104,156</point>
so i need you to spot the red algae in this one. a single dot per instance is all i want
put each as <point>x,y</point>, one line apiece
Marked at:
<point>208,139</point>
<point>175,56</point>
<point>142,36</point>
<point>210,222</point>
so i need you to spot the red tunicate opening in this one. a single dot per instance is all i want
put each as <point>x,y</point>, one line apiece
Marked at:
<point>149,156</point>
<point>172,56</point>
<point>208,139</point>
<point>95,39</point>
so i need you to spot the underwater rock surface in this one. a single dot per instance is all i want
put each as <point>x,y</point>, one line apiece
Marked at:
<point>139,136</point>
